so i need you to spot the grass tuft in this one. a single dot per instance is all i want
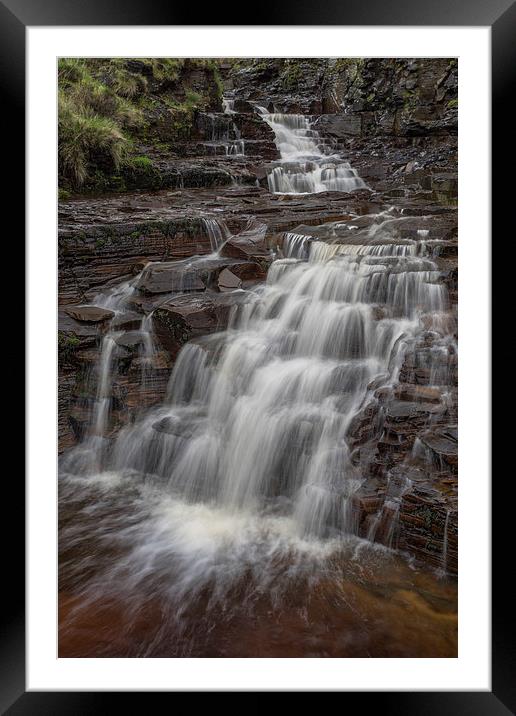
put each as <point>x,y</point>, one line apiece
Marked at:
<point>86,138</point>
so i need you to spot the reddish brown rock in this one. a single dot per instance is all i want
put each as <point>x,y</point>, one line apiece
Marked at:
<point>89,314</point>
<point>185,317</point>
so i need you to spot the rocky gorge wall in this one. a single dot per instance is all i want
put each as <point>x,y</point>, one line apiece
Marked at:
<point>396,122</point>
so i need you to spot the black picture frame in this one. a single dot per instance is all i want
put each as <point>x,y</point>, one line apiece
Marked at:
<point>500,15</point>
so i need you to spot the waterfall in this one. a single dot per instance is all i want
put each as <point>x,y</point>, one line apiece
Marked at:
<point>147,350</point>
<point>384,524</point>
<point>243,478</point>
<point>178,276</point>
<point>224,133</point>
<point>257,418</point>
<point>218,233</point>
<point>236,148</point>
<point>228,105</point>
<point>103,399</point>
<point>296,245</point>
<point>290,450</point>
<point>304,168</point>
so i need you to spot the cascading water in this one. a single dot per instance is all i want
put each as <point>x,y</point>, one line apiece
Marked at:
<point>243,496</point>
<point>218,233</point>
<point>178,277</point>
<point>304,167</point>
<point>224,133</point>
<point>228,105</point>
<point>243,479</point>
<point>256,418</point>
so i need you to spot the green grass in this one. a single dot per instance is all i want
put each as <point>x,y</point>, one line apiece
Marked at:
<point>193,99</point>
<point>167,69</point>
<point>141,162</point>
<point>87,138</point>
<point>108,106</point>
<point>67,344</point>
<point>94,114</point>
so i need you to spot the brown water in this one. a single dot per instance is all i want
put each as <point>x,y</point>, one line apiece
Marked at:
<point>115,600</point>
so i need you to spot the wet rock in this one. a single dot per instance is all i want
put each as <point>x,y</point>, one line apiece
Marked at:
<point>442,445</point>
<point>339,126</point>
<point>227,281</point>
<point>135,396</point>
<point>66,383</point>
<point>419,393</point>
<point>249,272</point>
<point>197,275</point>
<point>400,411</point>
<point>89,314</point>
<point>171,425</point>
<point>127,321</point>
<point>444,185</point>
<point>428,529</point>
<point>367,500</point>
<point>185,317</point>
<point>169,278</point>
<point>130,339</point>
<point>100,245</point>
<point>245,248</point>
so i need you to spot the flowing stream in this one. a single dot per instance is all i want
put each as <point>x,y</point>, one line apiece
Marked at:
<point>237,492</point>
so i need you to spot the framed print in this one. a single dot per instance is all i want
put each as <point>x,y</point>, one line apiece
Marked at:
<point>258,355</point>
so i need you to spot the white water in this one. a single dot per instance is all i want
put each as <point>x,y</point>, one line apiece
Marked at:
<point>228,105</point>
<point>218,233</point>
<point>304,167</point>
<point>246,465</point>
<point>224,131</point>
<point>118,300</point>
<point>385,522</point>
<point>103,399</point>
<point>257,417</point>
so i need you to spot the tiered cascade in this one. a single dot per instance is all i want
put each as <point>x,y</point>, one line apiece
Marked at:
<point>306,165</point>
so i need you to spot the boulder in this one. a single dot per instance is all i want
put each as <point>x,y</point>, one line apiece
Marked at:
<point>89,314</point>
<point>130,339</point>
<point>128,321</point>
<point>244,248</point>
<point>227,281</point>
<point>339,126</point>
<point>168,278</point>
<point>442,445</point>
<point>183,318</point>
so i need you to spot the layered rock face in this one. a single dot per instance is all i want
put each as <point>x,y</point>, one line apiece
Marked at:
<point>141,274</point>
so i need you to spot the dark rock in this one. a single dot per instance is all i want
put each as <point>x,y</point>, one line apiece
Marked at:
<point>339,126</point>
<point>168,278</point>
<point>249,271</point>
<point>185,317</point>
<point>442,446</point>
<point>398,411</point>
<point>127,321</point>
<point>130,339</point>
